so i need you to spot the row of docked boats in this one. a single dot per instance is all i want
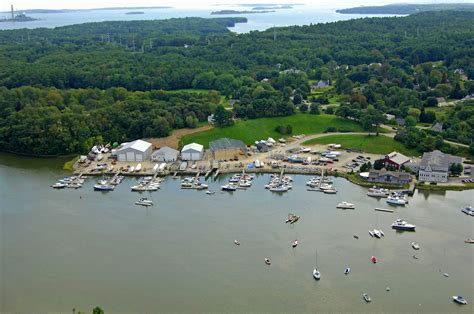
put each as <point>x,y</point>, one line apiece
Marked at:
<point>147,184</point>
<point>238,181</point>
<point>393,198</point>
<point>193,183</point>
<point>279,183</point>
<point>73,182</point>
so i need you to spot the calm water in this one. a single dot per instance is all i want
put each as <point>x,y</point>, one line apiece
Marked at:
<point>299,15</point>
<point>80,248</point>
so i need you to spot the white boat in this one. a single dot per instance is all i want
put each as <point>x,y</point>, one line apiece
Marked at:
<point>267,261</point>
<point>228,187</point>
<point>347,271</point>
<point>345,205</point>
<point>459,299</point>
<point>59,185</point>
<point>316,272</point>
<point>378,192</point>
<point>138,168</point>
<point>245,183</point>
<point>400,224</point>
<point>366,298</point>
<point>144,202</point>
<point>209,192</point>
<point>468,211</point>
<point>294,243</point>
<point>132,169</point>
<point>395,200</point>
<point>324,187</point>
<point>104,187</point>
<point>330,191</point>
<point>279,188</point>
<point>415,246</point>
<point>376,233</point>
<point>236,242</point>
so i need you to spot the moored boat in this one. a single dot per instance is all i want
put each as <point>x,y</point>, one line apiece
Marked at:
<point>316,274</point>
<point>267,261</point>
<point>347,271</point>
<point>228,187</point>
<point>366,298</point>
<point>459,299</point>
<point>59,185</point>
<point>294,243</point>
<point>373,259</point>
<point>104,187</point>
<point>345,205</point>
<point>400,224</point>
<point>396,200</point>
<point>415,246</point>
<point>468,211</point>
<point>144,202</point>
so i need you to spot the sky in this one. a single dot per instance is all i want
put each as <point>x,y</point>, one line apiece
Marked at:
<point>84,4</point>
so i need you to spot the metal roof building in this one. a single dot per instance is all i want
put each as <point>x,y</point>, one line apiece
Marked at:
<point>227,148</point>
<point>193,151</point>
<point>134,151</point>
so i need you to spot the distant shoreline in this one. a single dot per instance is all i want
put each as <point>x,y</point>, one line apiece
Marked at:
<point>230,12</point>
<point>406,9</point>
<point>42,11</point>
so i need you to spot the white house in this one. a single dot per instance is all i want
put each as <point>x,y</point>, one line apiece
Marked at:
<point>166,154</point>
<point>434,166</point>
<point>192,151</point>
<point>134,151</point>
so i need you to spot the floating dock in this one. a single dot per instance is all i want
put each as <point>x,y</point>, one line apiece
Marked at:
<point>384,210</point>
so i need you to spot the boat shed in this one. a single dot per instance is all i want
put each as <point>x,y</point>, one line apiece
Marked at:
<point>227,148</point>
<point>166,154</point>
<point>193,151</point>
<point>134,151</point>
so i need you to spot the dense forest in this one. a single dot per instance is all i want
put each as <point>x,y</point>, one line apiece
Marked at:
<point>399,66</point>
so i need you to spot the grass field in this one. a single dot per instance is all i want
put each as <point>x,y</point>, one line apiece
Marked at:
<point>251,130</point>
<point>369,144</point>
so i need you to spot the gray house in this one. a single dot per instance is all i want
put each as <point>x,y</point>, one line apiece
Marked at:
<point>434,166</point>
<point>134,151</point>
<point>384,176</point>
<point>166,154</point>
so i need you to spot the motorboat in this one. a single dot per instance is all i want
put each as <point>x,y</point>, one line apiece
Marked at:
<point>139,188</point>
<point>415,246</point>
<point>104,187</point>
<point>325,187</point>
<point>292,218</point>
<point>347,271</point>
<point>144,202</point>
<point>209,192</point>
<point>468,211</point>
<point>316,274</point>
<point>373,259</point>
<point>400,224</point>
<point>59,185</point>
<point>378,192</point>
<point>366,298</point>
<point>396,200</point>
<point>245,183</point>
<point>294,243</point>
<point>459,299</point>
<point>345,205</point>
<point>471,241</point>
<point>267,261</point>
<point>236,242</point>
<point>228,187</point>
<point>330,191</point>
<point>279,188</point>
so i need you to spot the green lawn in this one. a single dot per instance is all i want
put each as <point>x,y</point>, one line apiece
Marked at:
<point>251,130</point>
<point>369,144</point>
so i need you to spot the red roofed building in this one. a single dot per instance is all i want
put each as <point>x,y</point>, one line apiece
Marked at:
<point>395,160</point>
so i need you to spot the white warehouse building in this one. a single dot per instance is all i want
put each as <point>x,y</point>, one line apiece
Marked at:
<point>166,154</point>
<point>134,151</point>
<point>192,151</point>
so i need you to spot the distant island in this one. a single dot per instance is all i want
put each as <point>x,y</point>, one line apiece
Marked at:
<point>226,12</point>
<point>135,13</point>
<point>43,11</point>
<point>407,9</point>
<point>273,7</point>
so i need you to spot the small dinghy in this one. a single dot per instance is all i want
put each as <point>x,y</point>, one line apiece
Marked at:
<point>374,259</point>
<point>367,298</point>
<point>236,242</point>
<point>415,257</point>
<point>347,271</point>
<point>294,243</point>
<point>356,236</point>
<point>316,274</point>
<point>459,299</point>
<point>144,202</point>
<point>446,275</point>
<point>209,192</point>
<point>267,261</point>
<point>415,246</point>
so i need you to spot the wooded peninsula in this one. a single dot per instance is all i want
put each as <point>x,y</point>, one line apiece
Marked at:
<point>64,89</point>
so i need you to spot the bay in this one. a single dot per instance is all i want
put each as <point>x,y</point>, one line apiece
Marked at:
<point>79,248</point>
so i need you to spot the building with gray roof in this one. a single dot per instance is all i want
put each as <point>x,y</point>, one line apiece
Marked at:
<point>227,148</point>
<point>434,166</point>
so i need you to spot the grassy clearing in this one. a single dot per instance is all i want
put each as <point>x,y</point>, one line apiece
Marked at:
<point>69,165</point>
<point>251,130</point>
<point>369,144</point>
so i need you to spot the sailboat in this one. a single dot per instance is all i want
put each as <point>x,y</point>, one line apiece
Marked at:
<point>316,272</point>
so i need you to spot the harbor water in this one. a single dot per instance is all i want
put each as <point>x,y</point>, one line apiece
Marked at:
<point>64,249</point>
